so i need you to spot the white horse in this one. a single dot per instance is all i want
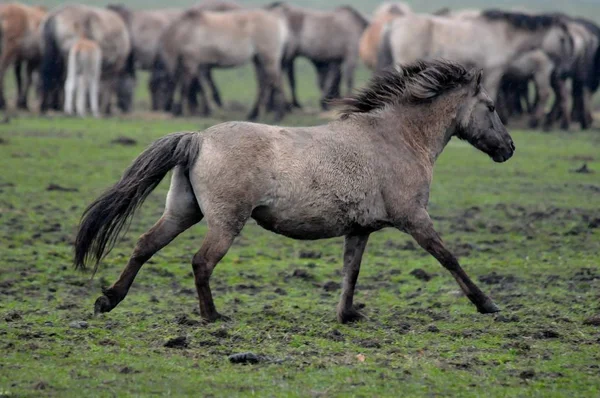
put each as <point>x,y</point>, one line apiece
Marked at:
<point>83,77</point>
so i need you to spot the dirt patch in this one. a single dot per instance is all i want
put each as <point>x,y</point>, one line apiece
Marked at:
<point>125,141</point>
<point>246,358</point>
<point>59,188</point>
<point>331,286</point>
<point>184,320</point>
<point>302,274</point>
<point>497,279</point>
<point>421,274</point>
<point>177,342</point>
<point>546,334</point>
<point>584,169</point>
<point>12,316</point>
<point>592,321</point>
<point>310,254</point>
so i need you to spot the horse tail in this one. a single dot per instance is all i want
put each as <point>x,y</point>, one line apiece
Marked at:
<point>384,52</point>
<point>103,221</point>
<point>52,68</point>
<point>594,73</point>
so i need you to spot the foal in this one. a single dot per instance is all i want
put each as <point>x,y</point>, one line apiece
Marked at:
<point>370,169</point>
<point>83,77</point>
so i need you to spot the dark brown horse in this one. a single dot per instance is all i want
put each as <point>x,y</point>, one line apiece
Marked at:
<point>368,170</point>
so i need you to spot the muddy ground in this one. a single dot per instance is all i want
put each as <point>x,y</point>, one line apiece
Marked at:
<point>527,231</point>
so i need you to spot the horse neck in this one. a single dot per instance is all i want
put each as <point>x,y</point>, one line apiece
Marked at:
<point>426,128</point>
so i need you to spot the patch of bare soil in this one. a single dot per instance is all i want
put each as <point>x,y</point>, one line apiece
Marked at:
<point>60,188</point>
<point>125,141</point>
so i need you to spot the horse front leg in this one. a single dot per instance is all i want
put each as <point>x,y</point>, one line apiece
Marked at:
<point>24,91</point>
<point>354,247</point>
<point>421,229</point>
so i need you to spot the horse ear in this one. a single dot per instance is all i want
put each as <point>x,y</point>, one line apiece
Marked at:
<point>478,81</point>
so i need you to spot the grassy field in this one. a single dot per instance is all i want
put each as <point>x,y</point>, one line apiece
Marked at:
<point>527,231</point>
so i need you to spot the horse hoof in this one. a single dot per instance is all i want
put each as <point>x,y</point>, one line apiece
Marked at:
<point>350,316</point>
<point>102,305</point>
<point>488,307</point>
<point>215,317</point>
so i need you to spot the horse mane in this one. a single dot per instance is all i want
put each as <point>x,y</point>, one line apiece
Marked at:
<point>275,4</point>
<point>524,21</point>
<point>363,22</point>
<point>442,12</point>
<point>415,83</point>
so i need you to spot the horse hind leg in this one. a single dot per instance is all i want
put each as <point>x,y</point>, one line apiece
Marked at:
<point>181,212</point>
<point>354,247</point>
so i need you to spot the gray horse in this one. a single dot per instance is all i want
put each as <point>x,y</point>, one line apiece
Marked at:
<point>325,38</point>
<point>369,169</point>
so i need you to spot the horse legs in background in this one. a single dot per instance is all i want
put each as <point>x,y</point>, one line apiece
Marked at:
<point>206,76</point>
<point>348,67</point>
<point>329,82</point>
<point>542,81</point>
<point>559,109</point>
<point>268,76</point>
<point>7,58</point>
<point>24,89</point>
<point>581,111</point>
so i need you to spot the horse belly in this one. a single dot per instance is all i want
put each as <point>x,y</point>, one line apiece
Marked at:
<point>301,224</point>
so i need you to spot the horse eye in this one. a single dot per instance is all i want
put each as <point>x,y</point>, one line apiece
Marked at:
<point>491,108</point>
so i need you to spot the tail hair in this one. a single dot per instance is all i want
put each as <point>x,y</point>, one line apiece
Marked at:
<point>53,65</point>
<point>103,221</point>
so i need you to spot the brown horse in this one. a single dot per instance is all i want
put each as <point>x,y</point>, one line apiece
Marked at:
<point>371,37</point>
<point>369,169</point>
<point>67,24</point>
<point>201,40</point>
<point>324,37</point>
<point>19,43</point>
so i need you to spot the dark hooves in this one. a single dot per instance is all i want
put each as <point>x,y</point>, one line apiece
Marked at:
<point>216,317</point>
<point>488,308</point>
<point>102,305</point>
<point>350,316</point>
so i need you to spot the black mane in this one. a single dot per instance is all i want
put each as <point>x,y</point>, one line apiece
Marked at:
<point>522,20</point>
<point>415,83</point>
<point>364,22</point>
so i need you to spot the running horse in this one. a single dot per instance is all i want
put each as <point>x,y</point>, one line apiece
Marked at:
<point>369,169</point>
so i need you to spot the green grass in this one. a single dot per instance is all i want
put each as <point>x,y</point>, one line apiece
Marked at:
<point>524,230</point>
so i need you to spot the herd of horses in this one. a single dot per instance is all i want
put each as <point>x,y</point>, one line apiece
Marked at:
<point>180,48</point>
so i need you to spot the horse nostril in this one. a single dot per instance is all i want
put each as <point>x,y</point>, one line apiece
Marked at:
<point>512,146</point>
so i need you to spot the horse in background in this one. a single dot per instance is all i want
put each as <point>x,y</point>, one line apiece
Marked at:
<point>147,26</point>
<point>200,40</point>
<point>20,44</point>
<point>67,24</point>
<point>83,77</point>
<point>371,37</point>
<point>325,38</point>
<point>501,38</point>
